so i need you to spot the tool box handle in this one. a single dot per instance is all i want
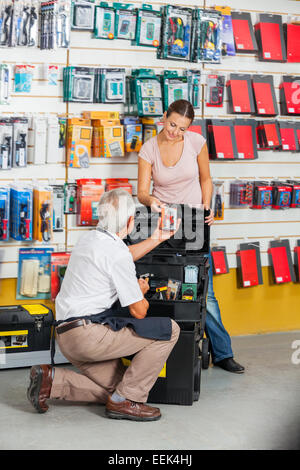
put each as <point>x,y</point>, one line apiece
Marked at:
<point>163,258</point>
<point>203,299</point>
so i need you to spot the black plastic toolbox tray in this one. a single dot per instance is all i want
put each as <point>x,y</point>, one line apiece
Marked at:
<point>178,310</point>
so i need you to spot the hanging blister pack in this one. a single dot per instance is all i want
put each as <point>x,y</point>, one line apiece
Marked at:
<point>6,143</point>
<point>26,26</point>
<point>104,21</point>
<point>176,33</point>
<point>19,23</point>
<point>215,90</point>
<point>51,74</point>
<point>174,88</point>
<point>55,24</point>
<point>79,84</point>
<point>227,38</point>
<point>23,78</point>
<point>143,93</point>
<point>194,87</point>
<point>20,138</point>
<point>21,212</point>
<point>62,122</point>
<point>82,15</point>
<point>6,20</point>
<point>34,273</point>
<point>4,84</point>
<point>52,139</point>
<point>70,198</point>
<point>113,85</point>
<point>218,197</point>
<point>148,27</point>
<point>58,207</point>
<point>207,42</point>
<point>125,20</point>
<point>39,127</point>
<point>63,24</point>
<point>4,213</point>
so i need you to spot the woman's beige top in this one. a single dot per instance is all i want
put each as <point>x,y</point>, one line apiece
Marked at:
<point>178,184</point>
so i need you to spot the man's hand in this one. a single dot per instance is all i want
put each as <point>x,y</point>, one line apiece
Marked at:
<point>163,235</point>
<point>144,285</point>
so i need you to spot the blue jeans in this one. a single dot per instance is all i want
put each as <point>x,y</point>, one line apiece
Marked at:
<point>219,338</point>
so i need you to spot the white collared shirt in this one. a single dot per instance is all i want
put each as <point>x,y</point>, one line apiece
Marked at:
<point>100,271</point>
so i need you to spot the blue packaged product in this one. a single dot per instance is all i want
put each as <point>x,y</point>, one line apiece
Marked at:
<point>21,210</point>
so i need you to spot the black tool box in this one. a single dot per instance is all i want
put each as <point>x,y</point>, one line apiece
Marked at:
<point>25,328</point>
<point>173,260</point>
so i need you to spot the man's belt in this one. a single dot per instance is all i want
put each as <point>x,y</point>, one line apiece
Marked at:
<point>73,324</point>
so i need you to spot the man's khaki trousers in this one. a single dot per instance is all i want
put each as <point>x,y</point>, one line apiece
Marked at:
<point>96,350</point>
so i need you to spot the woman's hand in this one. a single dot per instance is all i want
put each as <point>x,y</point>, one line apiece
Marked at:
<point>210,218</point>
<point>155,204</point>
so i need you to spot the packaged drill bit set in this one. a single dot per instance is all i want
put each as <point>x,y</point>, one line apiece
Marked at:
<point>104,21</point>
<point>174,87</point>
<point>82,15</point>
<point>143,93</point>
<point>19,23</point>
<point>125,21</point>
<point>176,33</point>
<point>241,193</point>
<point>148,27</point>
<point>207,41</point>
<point>55,24</point>
<point>4,84</point>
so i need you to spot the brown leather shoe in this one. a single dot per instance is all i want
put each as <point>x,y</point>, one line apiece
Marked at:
<point>128,409</point>
<point>40,387</point>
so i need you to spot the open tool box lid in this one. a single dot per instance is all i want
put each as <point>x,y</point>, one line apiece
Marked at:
<point>192,237</point>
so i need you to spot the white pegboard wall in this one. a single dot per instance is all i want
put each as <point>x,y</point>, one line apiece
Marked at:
<point>86,50</point>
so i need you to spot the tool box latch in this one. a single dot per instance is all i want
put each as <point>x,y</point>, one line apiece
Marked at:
<point>38,321</point>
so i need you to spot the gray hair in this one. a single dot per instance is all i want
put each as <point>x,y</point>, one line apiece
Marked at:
<point>114,209</point>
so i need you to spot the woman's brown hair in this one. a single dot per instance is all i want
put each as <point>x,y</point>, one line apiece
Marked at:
<point>182,107</point>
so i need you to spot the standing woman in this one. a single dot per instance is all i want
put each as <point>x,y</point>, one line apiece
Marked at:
<point>177,161</point>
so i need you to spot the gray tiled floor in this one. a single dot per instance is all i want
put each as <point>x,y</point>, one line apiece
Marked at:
<point>257,410</point>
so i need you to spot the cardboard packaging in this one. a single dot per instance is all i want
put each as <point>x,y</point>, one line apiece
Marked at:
<point>89,191</point>
<point>79,141</point>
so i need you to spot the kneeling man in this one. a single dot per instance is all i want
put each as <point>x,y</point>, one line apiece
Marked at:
<point>101,315</point>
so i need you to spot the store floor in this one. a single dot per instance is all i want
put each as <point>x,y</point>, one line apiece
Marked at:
<point>257,410</point>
